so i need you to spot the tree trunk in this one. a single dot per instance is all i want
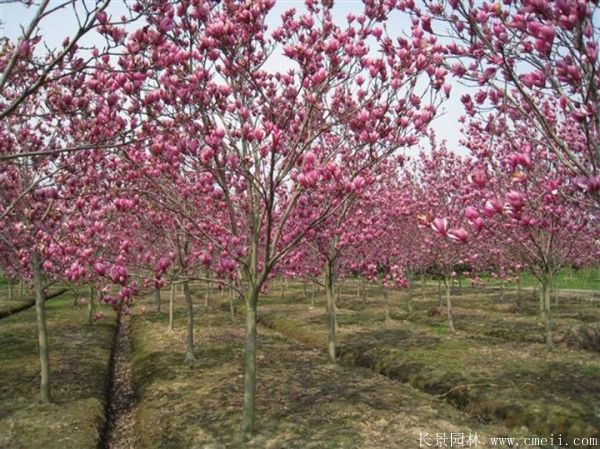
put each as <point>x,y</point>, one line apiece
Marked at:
<point>386,297</point>
<point>519,293</point>
<point>251,300</point>
<point>171,303</point>
<point>328,279</point>
<point>157,299</point>
<point>439,292</point>
<point>423,286</point>
<point>206,293</point>
<point>314,294</point>
<point>189,347</point>
<point>358,288</point>
<point>91,306</point>
<point>21,289</point>
<point>304,290</point>
<point>409,299</point>
<point>231,306</point>
<point>282,294</point>
<point>545,300</point>
<point>10,290</point>
<point>40,313</point>
<point>449,306</point>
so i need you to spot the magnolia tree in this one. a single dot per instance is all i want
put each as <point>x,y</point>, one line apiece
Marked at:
<point>253,143</point>
<point>534,63</point>
<point>331,248</point>
<point>54,107</point>
<point>531,208</point>
<point>442,189</point>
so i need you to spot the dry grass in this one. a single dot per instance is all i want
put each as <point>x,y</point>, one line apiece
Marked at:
<point>492,369</point>
<point>302,401</point>
<point>79,368</point>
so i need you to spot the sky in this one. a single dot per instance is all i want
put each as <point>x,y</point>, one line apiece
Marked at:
<point>14,17</point>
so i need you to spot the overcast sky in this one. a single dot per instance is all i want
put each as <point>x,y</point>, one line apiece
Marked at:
<point>14,16</point>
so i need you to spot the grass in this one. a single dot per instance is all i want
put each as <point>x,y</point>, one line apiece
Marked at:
<point>15,304</point>
<point>495,375</point>
<point>79,359</point>
<point>302,401</point>
<point>586,278</point>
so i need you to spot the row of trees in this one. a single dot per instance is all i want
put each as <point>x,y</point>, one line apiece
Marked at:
<point>170,153</point>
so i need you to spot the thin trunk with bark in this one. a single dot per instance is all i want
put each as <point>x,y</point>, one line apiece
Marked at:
<point>206,293</point>
<point>328,280</point>
<point>189,342</point>
<point>231,306</point>
<point>248,412</point>
<point>423,286</point>
<point>314,294</point>
<point>40,313</point>
<point>10,290</point>
<point>91,306</point>
<point>157,299</point>
<point>409,299</point>
<point>171,305</point>
<point>546,312</point>
<point>449,306</point>
<point>386,297</point>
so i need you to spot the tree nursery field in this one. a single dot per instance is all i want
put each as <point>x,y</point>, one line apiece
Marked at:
<point>299,224</point>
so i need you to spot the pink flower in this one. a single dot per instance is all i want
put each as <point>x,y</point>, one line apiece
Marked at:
<point>440,225</point>
<point>492,207</point>
<point>471,213</point>
<point>515,199</point>
<point>458,235</point>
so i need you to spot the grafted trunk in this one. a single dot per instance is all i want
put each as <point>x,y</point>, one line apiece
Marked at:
<point>328,280</point>
<point>546,313</point>
<point>91,306</point>
<point>40,313</point>
<point>189,342</point>
<point>449,305</point>
<point>248,413</point>
<point>157,299</point>
<point>171,305</point>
